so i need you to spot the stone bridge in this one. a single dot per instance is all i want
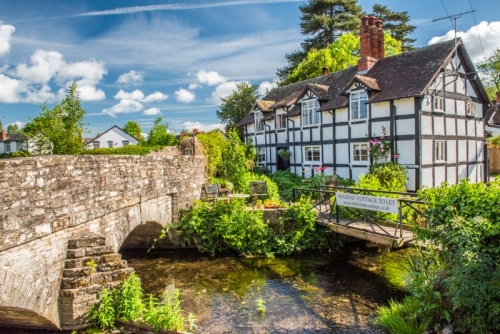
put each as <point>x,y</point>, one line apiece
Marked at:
<point>48,201</point>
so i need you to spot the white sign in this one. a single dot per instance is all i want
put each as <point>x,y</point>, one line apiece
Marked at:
<point>374,203</point>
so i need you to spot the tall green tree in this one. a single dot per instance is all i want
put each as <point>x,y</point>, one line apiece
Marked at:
<point>159,134</point>
<point>133,129</point>
<point>341,54</point>
<point>235,162</point>
<point>62,126</point>
<point>1,126</point>
<point>397,23</point>
<point>489,70</point>
<point>237,105</point>
<point>323,21</point>
<point>13,128</point>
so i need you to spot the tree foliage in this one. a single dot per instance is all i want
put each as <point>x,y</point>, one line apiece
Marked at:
<point>323,21</point>
<point>235,162</point>
<point>159,134</point>
<point>341,54</point>
<point>62,126</point>
<point>489,70</point>
<point>397,24</point>
<point>213,143</point>
<point>133,129</point>
<point>13,128</point>
<point>237,105</point>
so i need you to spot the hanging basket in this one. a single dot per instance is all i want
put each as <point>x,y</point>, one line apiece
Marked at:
<point>284,154</point>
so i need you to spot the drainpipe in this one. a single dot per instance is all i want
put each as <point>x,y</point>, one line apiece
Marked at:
<point>293,122</point>
<point>268,147</point>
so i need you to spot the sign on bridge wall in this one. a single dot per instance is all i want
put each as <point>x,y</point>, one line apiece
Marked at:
<point>373,203</point>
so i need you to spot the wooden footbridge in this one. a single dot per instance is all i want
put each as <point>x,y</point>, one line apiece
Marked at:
<point>373,215</point>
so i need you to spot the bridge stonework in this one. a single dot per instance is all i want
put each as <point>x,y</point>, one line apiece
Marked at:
<point>47,201</point>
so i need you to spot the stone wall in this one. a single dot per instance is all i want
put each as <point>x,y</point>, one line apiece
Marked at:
<point>52,199</point>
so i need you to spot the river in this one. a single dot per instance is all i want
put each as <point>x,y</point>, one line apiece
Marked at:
<point>307,293</point>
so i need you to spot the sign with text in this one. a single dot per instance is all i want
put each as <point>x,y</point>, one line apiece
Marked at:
<point>367,202</point>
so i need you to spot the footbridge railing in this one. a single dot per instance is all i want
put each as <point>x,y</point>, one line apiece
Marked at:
<point>388,214</point>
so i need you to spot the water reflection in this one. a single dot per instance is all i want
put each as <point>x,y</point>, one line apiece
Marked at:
<point>308,293</point>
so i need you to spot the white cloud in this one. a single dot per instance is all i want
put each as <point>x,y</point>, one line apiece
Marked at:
<point>155,97</point>
<point>202,127</point>
<point>193,86</point>
<point>152,111</point>
<point>131,76</point>
<point>266,86</point>
<point>224,90</point>
<point>184,96</point>
<point>10,89</point>
<point>135,95</point>
<point>210,78</point>
<point>489,33</point>
<point>6,30</point>
<point>44,65</point>
<point>125,106</point>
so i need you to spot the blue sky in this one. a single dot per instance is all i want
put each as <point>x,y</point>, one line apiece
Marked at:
<point>137,59</point>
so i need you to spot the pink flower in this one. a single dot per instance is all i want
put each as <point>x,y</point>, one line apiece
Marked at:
<point>382,146</point>
<point>396,156</point>
<point>382,137</point>
<point>369,149</point>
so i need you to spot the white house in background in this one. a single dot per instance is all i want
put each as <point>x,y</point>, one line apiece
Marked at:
<point>10,143</point>
<point>492,118</point>
<point>113,138</point>
<point>429,100</point>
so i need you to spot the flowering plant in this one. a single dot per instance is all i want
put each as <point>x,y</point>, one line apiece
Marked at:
<point>320,169</point>
<point>381,148</point>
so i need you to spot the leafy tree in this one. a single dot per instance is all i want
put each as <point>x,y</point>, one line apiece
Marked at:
<point>344,52</point>
<point>159,135</point>
<point>62,126</point>
<point>13,128</point>
<point>237,105</point>
<point>324,21</point>
<point>235,162</point>
<point>133,129</point>
<point>213,144</point>
<point>490,73</point>
<point>397,24</point>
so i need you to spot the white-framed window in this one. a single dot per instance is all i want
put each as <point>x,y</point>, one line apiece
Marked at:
<point>280,121</point>
<point>110,144</point>
<point>259,121</point>
<point>96,144</point>
<point>360,153</point>
<point>125,143</point>
<point>471,109</point>
<point>310,113</point>
<point>7,147</point>
<point>261,155</point>
<point>359,108</point>
<point>438,103</point>
<point>312,154</point>
<point>439,151</point>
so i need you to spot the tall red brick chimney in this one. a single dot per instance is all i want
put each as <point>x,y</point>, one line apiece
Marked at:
<point>3,135</point>
<point>372,46</point>
<point>498,97</point>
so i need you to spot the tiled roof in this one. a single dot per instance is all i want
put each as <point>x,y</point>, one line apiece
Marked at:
<point>492,116</point>
<point>404,75</point>
<point>13,137</point>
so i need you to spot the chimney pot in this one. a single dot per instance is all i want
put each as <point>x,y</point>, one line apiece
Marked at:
<point>498,97</point>
<point>195,131</point>
<point>325,70</point>
<point>371,42</point>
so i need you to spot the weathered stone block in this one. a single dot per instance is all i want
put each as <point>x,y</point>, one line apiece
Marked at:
<point>93,251</point>
<point>75,253</point>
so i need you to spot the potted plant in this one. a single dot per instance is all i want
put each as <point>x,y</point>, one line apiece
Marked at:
<point>284,153</point>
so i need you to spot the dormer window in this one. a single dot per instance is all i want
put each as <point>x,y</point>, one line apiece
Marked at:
<point>359,109</point>
<point>310,112</point>
<point>259,121</point>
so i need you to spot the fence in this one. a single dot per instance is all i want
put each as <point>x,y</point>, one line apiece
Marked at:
<point>494,157</point>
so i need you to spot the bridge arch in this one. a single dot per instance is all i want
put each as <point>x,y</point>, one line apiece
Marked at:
<point>13,316</point>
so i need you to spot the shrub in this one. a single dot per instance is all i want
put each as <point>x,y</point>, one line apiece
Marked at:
<point>286,181</point>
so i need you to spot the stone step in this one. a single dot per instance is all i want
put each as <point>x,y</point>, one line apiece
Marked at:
<point>83,242</point>
<point>102,259</point>
<point>95,279</point>
<point>88,251</point>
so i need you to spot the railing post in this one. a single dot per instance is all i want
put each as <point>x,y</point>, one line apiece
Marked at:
<point>293,195</point>
<point>400,218</point>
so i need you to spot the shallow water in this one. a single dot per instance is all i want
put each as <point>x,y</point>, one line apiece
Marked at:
<point>308,293</point>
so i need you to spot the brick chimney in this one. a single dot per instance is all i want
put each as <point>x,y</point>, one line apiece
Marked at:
<point>371,42</point>
<point>498,99</point>
<point>195,131</point>
<point>3,135</point>
<point>325,70</point>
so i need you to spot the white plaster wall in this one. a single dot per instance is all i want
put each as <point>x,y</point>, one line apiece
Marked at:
<point>438,126</point>
<point>343,172</point>
<point>462,151</point>
<point>341,132</point>
<point>341,115</point>
<point>377,128</point>
<point>116,136</point>
<point>412,180</point>
<point>461,85</point>
<point>381,109</point>
<point>405,126</point>
<point>427,103</point>
<point>359,130</point>
<point>461,108</point>
<point>461,131</point>
<point>426,125</point>
<point>342,153</point>
<point>471,125</point>
<point>449,106</point>
<point>426,153</point>
<point>406,150</point>
<point>472,150</point>
<point>327,153</point>
<point>357,171</point>
<point>426,177</point>
<point>451,129</point>
<point>451,149</point>
<point>405,106</point>
<point>439,175</point>
<point>451,175</point>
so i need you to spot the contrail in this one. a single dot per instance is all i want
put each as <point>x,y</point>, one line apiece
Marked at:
<point>178,6</point>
